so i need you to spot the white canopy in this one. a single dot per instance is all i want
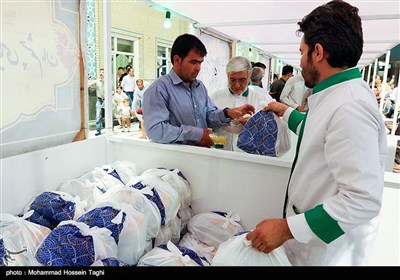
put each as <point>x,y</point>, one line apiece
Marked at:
<point>270,26</point>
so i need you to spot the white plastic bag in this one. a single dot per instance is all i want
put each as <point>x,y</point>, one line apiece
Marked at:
<point>136,198</point>
<point>202,249</point>
<point>170,256</point>
<point>214,228</point>
<point>73,243</point>
<point>128,227</point>
<point>84,189</point>
<point>177,181</point>
<point>237,251</point>
<point>21,239</point>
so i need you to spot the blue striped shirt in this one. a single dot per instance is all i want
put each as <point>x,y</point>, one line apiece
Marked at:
<point>175,113</point>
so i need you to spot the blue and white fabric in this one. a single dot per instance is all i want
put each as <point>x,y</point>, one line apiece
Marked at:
<point>52,207</point>
<point>3,255</point>
<point>110,262</point>
<point>171,255</point>
<point>264,134</point>
<point>176,180</point>
<point>73,243</point>
<point>128,227</point>
<point>134,197</point>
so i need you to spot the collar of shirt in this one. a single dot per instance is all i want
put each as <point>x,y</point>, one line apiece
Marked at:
<point>343,76</point>
<point>177,80</point>
<point>244,94</point>
<point>256,85</point>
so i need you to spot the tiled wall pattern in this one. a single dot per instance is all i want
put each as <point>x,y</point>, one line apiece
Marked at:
<point>91,40</point>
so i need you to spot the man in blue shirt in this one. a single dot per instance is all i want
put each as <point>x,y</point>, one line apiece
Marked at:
<point>177,107</point>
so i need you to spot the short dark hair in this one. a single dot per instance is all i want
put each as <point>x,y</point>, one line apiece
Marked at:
<point>184,44</point>
<point>287,69</point>
<point>337,26</point>
<point>259,64</point>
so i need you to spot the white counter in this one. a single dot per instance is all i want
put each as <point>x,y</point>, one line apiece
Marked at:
<point>253,186</point>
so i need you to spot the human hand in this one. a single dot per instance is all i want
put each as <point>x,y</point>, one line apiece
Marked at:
<point>243,120</point>
<point>206,140</point>
<point>269,234</point>
<point>276,107</point>
<point>300,109</point>
<point>238,112</point>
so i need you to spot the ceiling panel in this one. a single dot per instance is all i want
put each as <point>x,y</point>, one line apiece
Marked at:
<point>270,26</point>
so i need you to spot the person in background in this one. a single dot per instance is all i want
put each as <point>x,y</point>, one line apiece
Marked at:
<point>295,93</point>
<point>129,84</point>
<point>259,64</point>
<point>140,89</point>
<point>238,93</point>
<point>177,108</point>
<point>263,67</point>
<point>275,78</point>
<point>380,88</point>
<point>334,194</point>
<point>99,85</point>
<point>277,86</point>
<point>127,67</point>
<point>118,98</point>
<point>257,73</point>
<point>120,72</point>
<point>125,115</point>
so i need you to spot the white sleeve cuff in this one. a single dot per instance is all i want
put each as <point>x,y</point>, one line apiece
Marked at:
<point>299,228</point>
<point>287,113</point>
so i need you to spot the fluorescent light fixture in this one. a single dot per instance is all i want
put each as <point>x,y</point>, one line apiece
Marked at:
<point>167,21</point>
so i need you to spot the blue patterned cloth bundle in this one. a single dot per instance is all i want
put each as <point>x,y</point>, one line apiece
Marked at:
<point>51,208</point>
<point>2,252</point>
<point>264,134</point>
<point>73,243</point>
<point>110,262</point>
<point>102,217</point>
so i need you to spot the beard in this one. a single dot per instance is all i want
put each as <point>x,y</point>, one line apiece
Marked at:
<point>310,75</point>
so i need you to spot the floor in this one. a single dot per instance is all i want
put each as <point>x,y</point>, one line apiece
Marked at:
<point>134,131</point>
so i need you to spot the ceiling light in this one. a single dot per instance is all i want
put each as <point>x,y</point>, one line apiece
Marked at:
<point>167,21</point>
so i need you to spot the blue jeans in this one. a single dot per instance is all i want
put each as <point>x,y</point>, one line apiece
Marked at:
<point>99,108</point>
<point>130,95</point>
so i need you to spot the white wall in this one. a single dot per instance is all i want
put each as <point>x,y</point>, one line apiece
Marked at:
<point>26,175</point>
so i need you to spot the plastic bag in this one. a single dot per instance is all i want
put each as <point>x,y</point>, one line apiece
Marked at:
<point>73,243</point>
<point>20,239</point>
<point>171,255</point>
<point>128,227</point>
<point>214,228</point>
<point>136,198</point>
<point>109,262</point>
<point>52,207</point>
<point>237,251</point>
<point>202,249</point>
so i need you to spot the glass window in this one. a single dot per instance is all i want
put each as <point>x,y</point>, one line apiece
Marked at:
<point>163,61</point>
<point>124,45</point>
